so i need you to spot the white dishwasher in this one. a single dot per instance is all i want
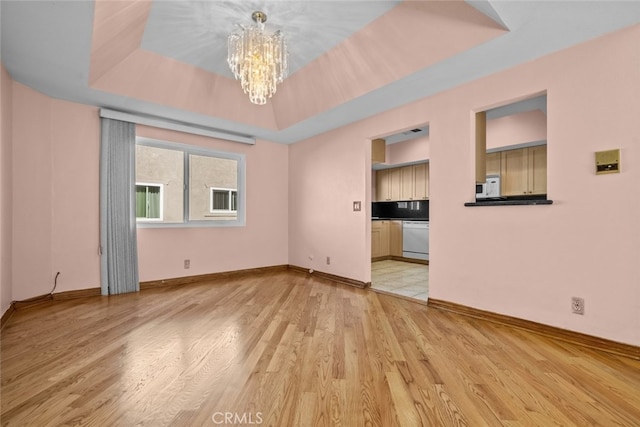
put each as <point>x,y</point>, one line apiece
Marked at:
<point>415,239</point>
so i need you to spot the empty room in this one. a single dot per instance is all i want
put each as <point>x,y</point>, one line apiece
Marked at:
<point>319,213</point>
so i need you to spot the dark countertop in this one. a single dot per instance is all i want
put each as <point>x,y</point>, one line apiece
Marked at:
<point>375,218</point>
<point>510,202</point>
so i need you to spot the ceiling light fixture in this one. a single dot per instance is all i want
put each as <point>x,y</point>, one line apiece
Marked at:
<point>257,59</point>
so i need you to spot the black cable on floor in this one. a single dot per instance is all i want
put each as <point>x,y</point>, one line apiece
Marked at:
<point>55,283</point>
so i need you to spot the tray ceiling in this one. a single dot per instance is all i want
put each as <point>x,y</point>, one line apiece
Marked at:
<point>349,60</point>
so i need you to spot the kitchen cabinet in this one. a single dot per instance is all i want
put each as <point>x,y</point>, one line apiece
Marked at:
<point>524,171</point>
<point>421,181</point>
<point>537,162</point>
<point>394,184</point>
<point>386,238</point>
<point>493,163</point>
<point>407,183</point>
<point>403,183</point>
<point>395,238</point>
<point>382,185</point>
<point>380,239</point>
<point>378,151</point>
<point>388,182</point>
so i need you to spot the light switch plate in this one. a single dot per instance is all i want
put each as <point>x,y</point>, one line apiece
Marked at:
<point>357,206</point>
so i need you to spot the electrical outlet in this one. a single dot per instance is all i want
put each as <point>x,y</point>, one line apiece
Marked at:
<point>577,305</point>
<point>328,260</point>
<point>187,263</point>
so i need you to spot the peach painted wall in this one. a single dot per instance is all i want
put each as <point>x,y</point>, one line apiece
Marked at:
<point>326,175</point>
<point>6,83</point>
<point>55,194</point>
<point>32,193</point>
<point>261,243</point>
<point>407,151</point>
<point>522,261</point>
<point>75,138</point>
<point>515,129</point>
<point>56,204</point>
<point>528,261</point>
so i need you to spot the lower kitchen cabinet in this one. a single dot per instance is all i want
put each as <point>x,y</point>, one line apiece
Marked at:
<point>386,239</point>
<point>395,240</point>
<point>380,239</point>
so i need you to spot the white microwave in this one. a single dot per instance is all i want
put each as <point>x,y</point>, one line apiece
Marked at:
<point>490,189</point>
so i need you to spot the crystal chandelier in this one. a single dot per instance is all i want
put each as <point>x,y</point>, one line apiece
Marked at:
<point>257,59</point>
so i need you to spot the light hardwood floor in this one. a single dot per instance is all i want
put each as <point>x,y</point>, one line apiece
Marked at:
<point>287,349</point>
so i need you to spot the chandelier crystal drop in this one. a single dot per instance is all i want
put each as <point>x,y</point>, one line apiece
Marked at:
<point>257,59</point>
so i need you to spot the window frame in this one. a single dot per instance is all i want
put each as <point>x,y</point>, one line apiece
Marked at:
<point>187,150</point>
<point>228,190</point>
<point>152,184</point>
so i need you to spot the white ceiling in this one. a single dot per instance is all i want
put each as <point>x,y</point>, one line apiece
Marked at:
<point>191,30</point>
<point>47,45</point>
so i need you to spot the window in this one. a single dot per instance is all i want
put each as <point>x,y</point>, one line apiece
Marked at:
<point>149,201</point>
<point>224,200</point>
<point>196,186</point>
<point>211,180</point>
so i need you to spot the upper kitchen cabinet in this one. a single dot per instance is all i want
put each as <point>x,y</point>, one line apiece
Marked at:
<point>537,169</point>
<point>493,163</point>
<point>403,183</point>
<point>388,184</point>
<point>524,171</point>
<point>407,184</point>
<point>378,151</point>
<point>421,182</point>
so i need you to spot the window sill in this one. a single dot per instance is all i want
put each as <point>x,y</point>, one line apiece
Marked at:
<point>211,223</point>
<point>510,202</point>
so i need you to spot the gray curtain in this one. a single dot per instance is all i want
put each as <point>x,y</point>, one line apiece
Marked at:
<point>118,241</point>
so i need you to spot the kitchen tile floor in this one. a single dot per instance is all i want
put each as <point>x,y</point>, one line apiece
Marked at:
<point>401,278</point>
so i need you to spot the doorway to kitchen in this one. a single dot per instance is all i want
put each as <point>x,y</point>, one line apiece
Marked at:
<point>401,278</point>
<point>400,214</point>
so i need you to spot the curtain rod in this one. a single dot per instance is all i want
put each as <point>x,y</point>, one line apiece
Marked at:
<point>163,123</point>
